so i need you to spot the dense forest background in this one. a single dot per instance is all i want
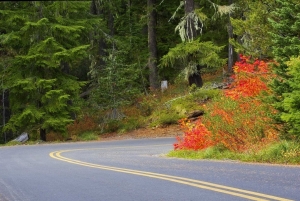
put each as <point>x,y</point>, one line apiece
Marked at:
<point>61,60</point>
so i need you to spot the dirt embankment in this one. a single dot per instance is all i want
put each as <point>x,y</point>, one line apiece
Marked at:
<point>168,131</point>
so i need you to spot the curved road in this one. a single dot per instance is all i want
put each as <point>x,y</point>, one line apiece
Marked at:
<point>135,170</point>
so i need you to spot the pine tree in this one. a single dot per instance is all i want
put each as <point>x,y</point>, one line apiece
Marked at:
<point>114,74</point>
<point>152,45</point>
<point>116,84</point>
<point>195,54</point>
<point>49,43</point>
<point>286,45</point>
<point>291,100</point>
<point>252,28</point>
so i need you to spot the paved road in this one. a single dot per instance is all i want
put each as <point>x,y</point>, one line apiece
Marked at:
<point>135,170</point>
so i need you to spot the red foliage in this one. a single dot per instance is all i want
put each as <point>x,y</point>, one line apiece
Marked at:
<point>195,137</point>
<point>86,123</point>
<point>248,78</point>
<point>235,127</point>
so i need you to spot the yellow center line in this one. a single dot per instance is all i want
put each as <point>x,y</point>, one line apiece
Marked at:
<point>191,182</point>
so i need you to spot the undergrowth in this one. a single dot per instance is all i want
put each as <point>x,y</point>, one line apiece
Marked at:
<point>283,152</point>
<point>238,122</point>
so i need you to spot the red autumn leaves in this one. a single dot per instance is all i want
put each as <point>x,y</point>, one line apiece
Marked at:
<point>238,120</point>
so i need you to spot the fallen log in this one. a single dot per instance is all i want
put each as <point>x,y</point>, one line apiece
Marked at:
<point>195,115</point>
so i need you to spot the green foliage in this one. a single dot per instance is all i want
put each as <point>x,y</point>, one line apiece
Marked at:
<point>13,143</point>
<point>285,152</point>
<point>118,83</point>
<point>111,126</point>
<point>191,54</point>
<point>291,99</point>
<point>42,90</point>
<point>165,118</point>
<point>285,22</point>
<point>286,44</point>
<point>253,29</point>
<point>131,123</point>
<point>175,109</point>
<point>202,95</point>
<point>87,136</point>
<point>208,153</point>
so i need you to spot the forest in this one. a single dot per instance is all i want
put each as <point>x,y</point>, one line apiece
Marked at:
<point>68,67</point>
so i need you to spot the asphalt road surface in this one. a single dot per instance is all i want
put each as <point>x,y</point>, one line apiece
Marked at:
<point>135,170</point>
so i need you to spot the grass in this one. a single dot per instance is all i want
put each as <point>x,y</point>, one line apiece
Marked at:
<point>87,136</point>
<point>283,152</point>
<point>14,143</point>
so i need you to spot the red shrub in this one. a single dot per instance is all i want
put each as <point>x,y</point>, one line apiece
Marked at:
<point>239,120</point>
<point>195,137</point>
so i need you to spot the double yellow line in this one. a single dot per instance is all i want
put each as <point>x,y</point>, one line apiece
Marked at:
<point>186,181</point>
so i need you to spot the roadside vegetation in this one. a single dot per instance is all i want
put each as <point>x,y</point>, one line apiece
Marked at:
<point>237,123</point>
<point>79,72</point>
<point>240,123</point>
<point>281,152</point>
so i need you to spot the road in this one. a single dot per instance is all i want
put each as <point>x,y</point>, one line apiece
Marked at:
<point>135,170</point>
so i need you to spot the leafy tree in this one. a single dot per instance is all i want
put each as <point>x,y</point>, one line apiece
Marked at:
<point>286,44</point>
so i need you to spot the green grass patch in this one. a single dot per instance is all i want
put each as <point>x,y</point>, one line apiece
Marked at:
<point>130,123</point>
<point>87,136</point>
<point>284,152</point>
<point>163,118</point>
<point>172,110</point>
<point>13,143</point>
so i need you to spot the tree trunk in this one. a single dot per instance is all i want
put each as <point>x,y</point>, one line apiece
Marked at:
<point>196,78</point>
<point>189,7</point>
<point>152,46</point>
<point>190,27</point>
<point>66,69</point>
<point>95,10</point>
<point>230,47</point>
<point>43,134</point>
<point>5,112</point>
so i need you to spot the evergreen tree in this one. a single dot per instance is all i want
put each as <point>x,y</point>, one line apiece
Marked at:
<point>252,28</point>
<point>194,54</point>
<point>47,43</point>
<point>286,44</point>
<point>115,76</point>
<point>291,100</point>
<point>152,45</point>
<point>117,84</point>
